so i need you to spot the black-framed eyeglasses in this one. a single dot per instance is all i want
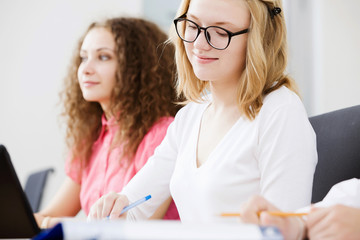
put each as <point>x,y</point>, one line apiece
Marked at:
<point>217,37</point>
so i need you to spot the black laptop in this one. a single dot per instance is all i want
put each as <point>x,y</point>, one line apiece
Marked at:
<point>16,216</point>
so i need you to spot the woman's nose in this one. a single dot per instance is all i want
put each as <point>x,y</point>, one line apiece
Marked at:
<point>201,42</point>
<point>87,67</point>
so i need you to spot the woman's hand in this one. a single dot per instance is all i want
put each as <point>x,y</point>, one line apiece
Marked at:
<point>110,205</point>
<point>336,222</point>
<point>254,211</point>
<point>45,222</point>
<point>66,203</point>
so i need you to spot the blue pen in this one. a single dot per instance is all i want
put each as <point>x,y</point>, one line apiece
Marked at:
<point>134,204</point>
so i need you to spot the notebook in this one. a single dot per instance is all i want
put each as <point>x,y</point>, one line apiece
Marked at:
<point>16,216</point>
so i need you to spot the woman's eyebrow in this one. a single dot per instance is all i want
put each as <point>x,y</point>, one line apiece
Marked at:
<point>105,48</point>
<point>214,23</point>
<point>98,50</point>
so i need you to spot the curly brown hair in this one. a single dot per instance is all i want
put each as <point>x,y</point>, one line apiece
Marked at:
<point>144,90</point>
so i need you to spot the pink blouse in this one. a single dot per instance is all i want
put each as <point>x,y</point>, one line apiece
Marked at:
<point>105,172</point>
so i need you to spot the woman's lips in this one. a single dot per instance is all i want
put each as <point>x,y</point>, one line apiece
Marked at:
<point>90,83</point>
<point>205,59</point>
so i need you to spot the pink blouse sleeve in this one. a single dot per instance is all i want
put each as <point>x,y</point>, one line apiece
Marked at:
<point>151,140</point>
<point>72,169</point>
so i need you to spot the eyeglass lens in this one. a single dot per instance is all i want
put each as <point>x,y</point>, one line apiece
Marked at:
<point>189,31</point>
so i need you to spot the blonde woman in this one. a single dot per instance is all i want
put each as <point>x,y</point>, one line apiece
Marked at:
<point>244,129</point>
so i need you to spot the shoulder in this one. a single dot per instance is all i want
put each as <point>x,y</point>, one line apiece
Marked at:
<point>194,108</point>
<point>282,96</point>
<point>160,127</point>
<point>154,137</point>
<point>282,99</point>
<point>163,122</point>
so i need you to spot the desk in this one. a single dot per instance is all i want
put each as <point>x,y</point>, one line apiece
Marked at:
<point>160,229</point>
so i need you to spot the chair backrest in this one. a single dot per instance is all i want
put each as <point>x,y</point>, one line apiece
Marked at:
<point>338,146</point>
<point>34,187</point>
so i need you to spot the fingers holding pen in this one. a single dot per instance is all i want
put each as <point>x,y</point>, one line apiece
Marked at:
<point>110,205</point>
<point>119,203</point>
<point>250,210</point>
<point>257,211</point>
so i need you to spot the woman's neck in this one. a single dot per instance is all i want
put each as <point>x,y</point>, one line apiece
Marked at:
<point>224,95</point>
<point>107,112</point>
<point>108,116</point>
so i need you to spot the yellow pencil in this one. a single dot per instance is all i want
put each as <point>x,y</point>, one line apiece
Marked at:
<point>273,213</point>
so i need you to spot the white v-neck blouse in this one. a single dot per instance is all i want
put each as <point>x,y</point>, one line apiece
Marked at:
<point>274,156</point>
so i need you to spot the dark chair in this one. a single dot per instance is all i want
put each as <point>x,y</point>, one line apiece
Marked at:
<point>34,187</point>
<point>338,146</point>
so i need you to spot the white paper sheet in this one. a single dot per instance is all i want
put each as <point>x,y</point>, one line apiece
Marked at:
<point>164,230</point>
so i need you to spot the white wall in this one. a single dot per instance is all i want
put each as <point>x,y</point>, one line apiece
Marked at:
<point>36,44</point>
<point>324,37</point>
<point>298,16</point>
<point>339,55</point>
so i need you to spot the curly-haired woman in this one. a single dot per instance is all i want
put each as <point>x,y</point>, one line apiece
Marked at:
<point>119,99</point>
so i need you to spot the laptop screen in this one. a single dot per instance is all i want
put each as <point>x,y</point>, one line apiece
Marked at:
<point>17,220</point>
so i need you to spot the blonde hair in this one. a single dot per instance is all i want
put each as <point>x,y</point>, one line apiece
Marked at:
<point>266,59</point>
